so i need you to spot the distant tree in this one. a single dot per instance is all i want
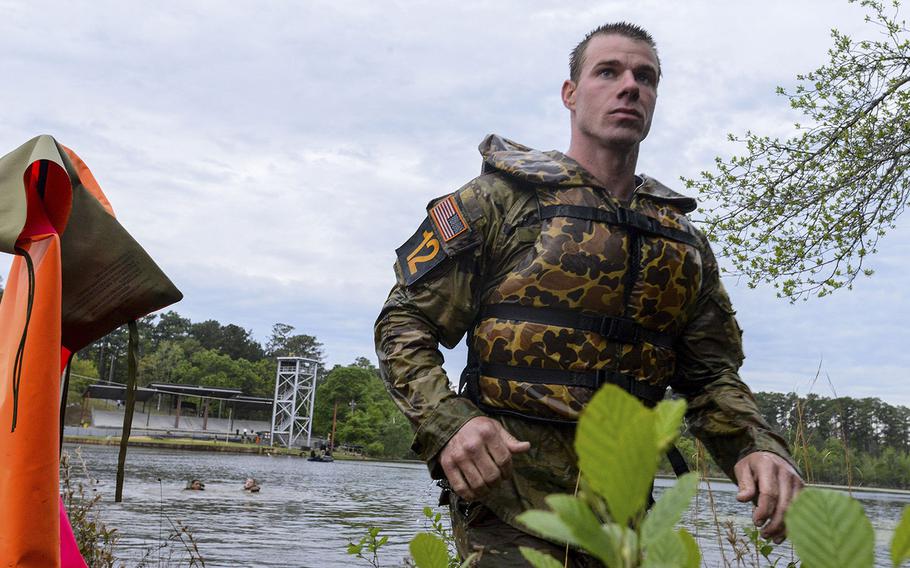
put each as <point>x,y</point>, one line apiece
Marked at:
<point>160,365</point>
<point>109,355</point>
<point>231,340</point>
<point>82,373</point>
<point>171,326</point>
<point>238,343</point>
<point>364,363</point>
<point>278,340</point>
<point>207,333</point>
<point>210,368</point>
<point>366,414</point>
<point>283,343</point>
<point>804,212</point>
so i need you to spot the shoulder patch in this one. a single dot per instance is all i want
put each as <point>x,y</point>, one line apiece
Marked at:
<point>419,254</point>
<point>451,221</point>
<point>448,218</point>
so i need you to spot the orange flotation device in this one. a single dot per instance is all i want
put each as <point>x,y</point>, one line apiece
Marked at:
<point>77,275</point>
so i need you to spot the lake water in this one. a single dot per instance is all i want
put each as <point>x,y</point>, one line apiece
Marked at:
<point>308,512</point>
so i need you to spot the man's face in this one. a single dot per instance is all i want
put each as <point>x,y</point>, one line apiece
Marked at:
<point>613,101</point>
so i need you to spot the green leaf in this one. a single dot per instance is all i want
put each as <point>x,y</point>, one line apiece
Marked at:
<point>617,450</point>
<point>587,531</point>
<point>692,558</point>
<point>669,420</point>
<point>673,550</point>
<point>830,530</point>
<point>429,551</point>
<point>668,510</point>
<point>900,545</point>
<point>539,559</point>
<point>550,524</point>
<point>665,550</point>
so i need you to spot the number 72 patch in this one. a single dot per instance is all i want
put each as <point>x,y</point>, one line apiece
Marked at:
<point>419,254</point>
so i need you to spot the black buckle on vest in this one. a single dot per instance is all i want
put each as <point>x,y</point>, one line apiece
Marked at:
<point>623,216</point>
<point>621,329</point>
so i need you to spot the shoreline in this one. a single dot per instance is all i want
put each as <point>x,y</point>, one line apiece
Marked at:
<point>854,489</point>
<point>216,446</point>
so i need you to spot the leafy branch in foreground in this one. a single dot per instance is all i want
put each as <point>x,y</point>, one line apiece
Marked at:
<point>619,442</point>
<point>804,212</point>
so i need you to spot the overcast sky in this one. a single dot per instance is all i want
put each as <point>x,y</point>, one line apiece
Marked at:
<point>272,155</point>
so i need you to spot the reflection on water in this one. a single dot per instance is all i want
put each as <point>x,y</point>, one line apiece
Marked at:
<point>308,512</point>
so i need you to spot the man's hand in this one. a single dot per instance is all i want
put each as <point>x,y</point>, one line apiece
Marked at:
<point>479,456</point>
<point>774,481</point>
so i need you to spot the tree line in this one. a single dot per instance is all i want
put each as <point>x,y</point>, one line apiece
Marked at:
<point>174,349</point>
<point>842,441</point>
<point>839,440</point>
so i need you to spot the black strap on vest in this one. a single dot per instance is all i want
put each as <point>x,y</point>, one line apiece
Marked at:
<point>677,461</point>
<point>592,379</point>
<point>589,379</point>
<point>622,330</point>
<point>622,216</point>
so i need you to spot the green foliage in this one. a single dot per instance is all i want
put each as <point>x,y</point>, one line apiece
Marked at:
<point>900,546</point>
<point>231,340</point>
<point>367,548</point>
<point>805,211</point>
<point>618,443</point>
<point>366,416</point>
<point>830,530</point>
<point>621,466</point>
<point>667,512</point>
<point>435,549</point>
<point>439,530</point>
<point>95,540</point>
<point>283,343</point>
<point>539,559</point>
<point>674,550</point>
<point>83,372</point>
<point>843,440</point>
<point>429,551</point>
<point>669,416</point>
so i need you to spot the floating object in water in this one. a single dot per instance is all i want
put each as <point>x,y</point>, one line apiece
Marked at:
<point>324,458</point>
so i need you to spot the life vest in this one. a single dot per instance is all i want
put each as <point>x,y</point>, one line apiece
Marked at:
<point>600,297</point>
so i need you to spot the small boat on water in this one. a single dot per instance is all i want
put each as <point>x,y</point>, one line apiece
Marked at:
<point>320,459</point>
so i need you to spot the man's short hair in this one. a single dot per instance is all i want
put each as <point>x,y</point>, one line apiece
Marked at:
<point>625,29</point>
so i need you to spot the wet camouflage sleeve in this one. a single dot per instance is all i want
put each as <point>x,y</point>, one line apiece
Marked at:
<point>722,413</point>
<point>412,324</point>
<point>438,309</point>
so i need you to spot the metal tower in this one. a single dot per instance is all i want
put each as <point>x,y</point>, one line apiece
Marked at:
<point>295,393</point>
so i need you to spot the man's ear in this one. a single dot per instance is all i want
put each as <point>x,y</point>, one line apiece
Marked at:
<point>568,94</point>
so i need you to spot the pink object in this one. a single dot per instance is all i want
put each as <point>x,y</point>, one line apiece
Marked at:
<point>69,550</point>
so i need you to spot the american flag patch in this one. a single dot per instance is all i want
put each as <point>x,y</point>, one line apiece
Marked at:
<point>448,219</point>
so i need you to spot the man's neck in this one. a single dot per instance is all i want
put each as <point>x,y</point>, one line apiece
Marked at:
<point>613,168</point>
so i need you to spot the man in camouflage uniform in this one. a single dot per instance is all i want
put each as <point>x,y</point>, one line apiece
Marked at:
<point>567,271</point>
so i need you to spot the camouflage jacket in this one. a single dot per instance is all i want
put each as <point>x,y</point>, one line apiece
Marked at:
<point>444,280</point>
